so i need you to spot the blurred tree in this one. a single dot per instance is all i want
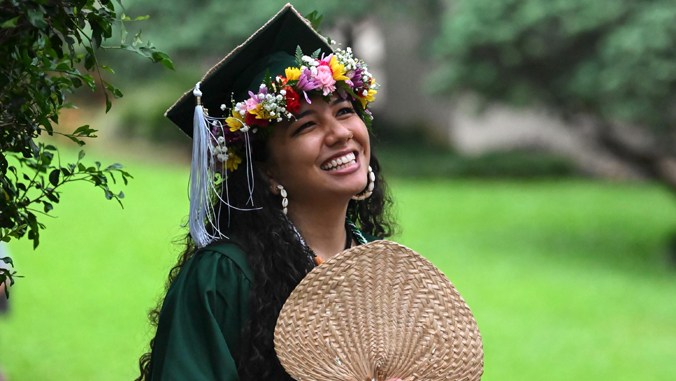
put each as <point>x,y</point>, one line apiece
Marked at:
<point>42,44</point>
<point>609,61</point>
<point>198,34</point>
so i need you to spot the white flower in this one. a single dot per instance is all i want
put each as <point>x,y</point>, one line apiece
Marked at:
<point>279,119</point>
<point>220,140</point>
<point>221,157</point>
<point>283,92</point>
<point>242,113</point>
<point>272,113</point>
<point>223,107</point>
<point>279,97</point>
<point>263,86</point>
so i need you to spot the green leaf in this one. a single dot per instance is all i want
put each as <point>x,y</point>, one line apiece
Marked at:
<point>113,90</point>
<point>137,39</point>
<point>315,54</point>
<point>35,18</point>
<point>168,64</point>
<point>113,167</point>
<point>11,23</point>
<point>89,80</point>
<point>123,33</point>
<point>267,79</point>
<point>81,155</point>
<point>109,104</point>
<point>299,56</point>
<point>54,177</point>
<point>48,206</point>
<point>84,131</point>
<point>79,142</point>
<point>107,68</point>
<point>141,18</point>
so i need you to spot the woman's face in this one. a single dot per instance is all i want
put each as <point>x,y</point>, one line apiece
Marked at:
<point>322,155</point>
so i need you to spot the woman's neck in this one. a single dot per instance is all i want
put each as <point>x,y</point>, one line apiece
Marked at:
<point>322,228</point>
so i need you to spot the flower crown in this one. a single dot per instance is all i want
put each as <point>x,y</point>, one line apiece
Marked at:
<point>279,98</point>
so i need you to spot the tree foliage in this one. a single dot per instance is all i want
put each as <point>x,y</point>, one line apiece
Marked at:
<point>44,46</point>
<point>614,60</point>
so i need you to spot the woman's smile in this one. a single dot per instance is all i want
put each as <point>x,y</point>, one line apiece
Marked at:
<point>324,152</point>
<point>341,162</point>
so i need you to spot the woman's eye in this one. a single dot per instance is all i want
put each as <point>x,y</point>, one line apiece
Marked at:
<point>345,110</point>
<point>303,127</point>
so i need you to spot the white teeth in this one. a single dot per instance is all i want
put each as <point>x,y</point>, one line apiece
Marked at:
<point>353,162</point>
<point>341,162</point>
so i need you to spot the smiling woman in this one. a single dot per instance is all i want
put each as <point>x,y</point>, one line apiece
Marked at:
<point>321,159</point>
<point>284,179</point>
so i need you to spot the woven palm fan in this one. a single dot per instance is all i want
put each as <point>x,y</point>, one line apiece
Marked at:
<point>376,312</point>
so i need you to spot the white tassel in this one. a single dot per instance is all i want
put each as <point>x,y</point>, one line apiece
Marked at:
<point>200,181</point>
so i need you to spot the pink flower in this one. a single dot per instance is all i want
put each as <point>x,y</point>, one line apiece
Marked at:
<point>325,78</point>
<point>251,103</point>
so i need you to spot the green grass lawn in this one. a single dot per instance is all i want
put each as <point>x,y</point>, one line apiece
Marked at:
<point>567,280</point>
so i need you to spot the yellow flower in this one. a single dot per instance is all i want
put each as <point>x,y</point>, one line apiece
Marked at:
<point>260,112</point>
<point>233,161</point>
<point>235,122</point>
<point>338,70</point>
<point>292,73</point>
<point>370,97</point>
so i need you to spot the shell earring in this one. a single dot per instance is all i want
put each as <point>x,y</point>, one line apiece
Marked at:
<point>285,201</point>
<point>369,190</point>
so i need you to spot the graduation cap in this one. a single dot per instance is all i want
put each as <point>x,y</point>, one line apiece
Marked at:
<point>262,80</point>
<point>271,47</point>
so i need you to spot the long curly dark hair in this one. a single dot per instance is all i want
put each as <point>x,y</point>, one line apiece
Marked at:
<point>278,259</point>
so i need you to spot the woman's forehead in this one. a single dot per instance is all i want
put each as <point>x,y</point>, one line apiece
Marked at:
<point>318,103</point>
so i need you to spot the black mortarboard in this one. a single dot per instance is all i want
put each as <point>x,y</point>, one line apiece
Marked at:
<point>272,47</point>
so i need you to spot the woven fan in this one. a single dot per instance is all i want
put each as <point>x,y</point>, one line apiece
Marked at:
<point>376,312</point>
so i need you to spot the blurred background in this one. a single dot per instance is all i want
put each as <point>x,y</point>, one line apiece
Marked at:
<point>531,150</point>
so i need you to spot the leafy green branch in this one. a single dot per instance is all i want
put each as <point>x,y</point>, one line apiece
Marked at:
<point>44,45</point>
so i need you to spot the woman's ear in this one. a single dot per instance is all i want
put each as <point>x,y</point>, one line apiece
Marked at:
<point>266,174</point>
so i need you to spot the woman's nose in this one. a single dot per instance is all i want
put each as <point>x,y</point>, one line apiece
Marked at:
<point>338,132</point>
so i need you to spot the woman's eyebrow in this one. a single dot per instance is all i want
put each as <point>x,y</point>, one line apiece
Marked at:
<point>305,113</point>
<point>338,100</point>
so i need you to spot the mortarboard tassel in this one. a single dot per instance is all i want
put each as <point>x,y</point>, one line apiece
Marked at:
<point>199,174</point>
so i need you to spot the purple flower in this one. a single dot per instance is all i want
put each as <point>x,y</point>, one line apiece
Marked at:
<point>230,136</point>
<point>356,78</point>
<point>306,82</point>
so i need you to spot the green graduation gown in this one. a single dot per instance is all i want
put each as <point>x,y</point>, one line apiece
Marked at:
<point>205,307</point>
